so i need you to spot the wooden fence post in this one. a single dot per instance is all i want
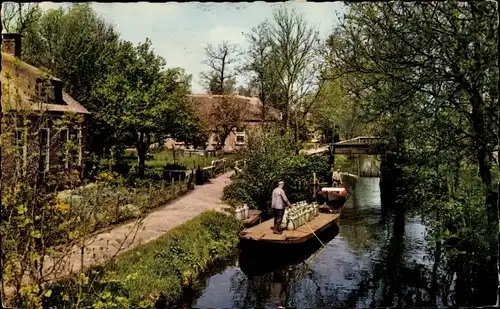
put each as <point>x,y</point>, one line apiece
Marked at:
<point>180,183</point>
<point>173,187</point>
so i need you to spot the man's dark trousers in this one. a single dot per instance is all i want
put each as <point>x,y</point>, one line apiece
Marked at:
<point>278,218</point>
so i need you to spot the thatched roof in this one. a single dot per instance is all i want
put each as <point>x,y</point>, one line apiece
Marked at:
<point>252,107</point>
<point>18,89</point>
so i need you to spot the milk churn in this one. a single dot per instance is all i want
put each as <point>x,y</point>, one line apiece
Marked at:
<point>309,214</point>
<point>285,219</point>
<point>291,221</point>
<point>316,209</point>
<point>238,213</point>
<point>246,211</point>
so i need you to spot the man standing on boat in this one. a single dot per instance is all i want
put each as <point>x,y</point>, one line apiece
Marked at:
<point>279,200</point>
<point>336,179</point>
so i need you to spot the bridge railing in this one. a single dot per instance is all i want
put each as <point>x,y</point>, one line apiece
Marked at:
<point>361,140</point>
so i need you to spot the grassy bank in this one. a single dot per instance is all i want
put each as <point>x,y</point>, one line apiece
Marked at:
<point>156,273</point>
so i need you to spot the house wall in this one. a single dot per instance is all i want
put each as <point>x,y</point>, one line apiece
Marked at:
<point>230,144</point>
<point>21,164</point>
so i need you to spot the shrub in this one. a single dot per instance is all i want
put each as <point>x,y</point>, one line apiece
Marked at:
<point>269,159</point>
<point>174,166</point>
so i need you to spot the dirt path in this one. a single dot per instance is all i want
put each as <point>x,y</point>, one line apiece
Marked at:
<point>121,238</point>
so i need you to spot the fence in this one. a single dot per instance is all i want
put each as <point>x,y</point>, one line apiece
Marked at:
<point>199,176</point>
<point>193,152</point>
<point>237,168</point>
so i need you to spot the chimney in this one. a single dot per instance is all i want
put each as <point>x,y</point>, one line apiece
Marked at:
<point>11,44</point>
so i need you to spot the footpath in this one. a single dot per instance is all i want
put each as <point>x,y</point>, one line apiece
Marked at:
<point>130,235</point>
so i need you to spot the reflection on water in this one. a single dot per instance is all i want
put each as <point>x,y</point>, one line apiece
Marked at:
<point>366,265</point>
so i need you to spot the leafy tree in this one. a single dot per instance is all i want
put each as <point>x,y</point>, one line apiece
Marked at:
<point>337,112</point>
<point>77,46</point>
<point>428,73</point>
<point>269,160</point>
<point>145,102</point>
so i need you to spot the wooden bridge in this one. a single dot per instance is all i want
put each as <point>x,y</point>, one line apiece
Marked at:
<point>355,146</point>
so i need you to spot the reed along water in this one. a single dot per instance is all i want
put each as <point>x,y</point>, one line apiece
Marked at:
<point>374,259</point>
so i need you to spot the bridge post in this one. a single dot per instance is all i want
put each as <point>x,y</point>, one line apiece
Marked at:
<point>331,162</point>
<point>357,163</point>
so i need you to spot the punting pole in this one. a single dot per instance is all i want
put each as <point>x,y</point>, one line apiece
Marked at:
<point>313,232</point>
<point>317,252</point>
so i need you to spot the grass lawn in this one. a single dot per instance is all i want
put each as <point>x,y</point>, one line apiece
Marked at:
<point>160,159</point>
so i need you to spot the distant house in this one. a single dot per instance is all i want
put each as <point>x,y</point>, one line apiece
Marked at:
<point>55,120</point>
<point>252,117</point>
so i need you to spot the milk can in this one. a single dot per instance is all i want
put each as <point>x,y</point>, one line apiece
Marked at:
<point>246,212</point>
<point>302,217</point>
<point>316,209</point>
<point>285,218</point>
<point>309,213</point>
<point>238,213</point>
<point>291,222</point>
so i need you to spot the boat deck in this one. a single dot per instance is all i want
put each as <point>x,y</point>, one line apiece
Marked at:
<point>253,218</point>
<point>263,232</point>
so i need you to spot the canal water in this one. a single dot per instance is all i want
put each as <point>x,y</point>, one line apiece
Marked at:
<point>365,265</point>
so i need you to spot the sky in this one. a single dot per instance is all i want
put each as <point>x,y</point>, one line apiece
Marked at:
<point>180,31</point>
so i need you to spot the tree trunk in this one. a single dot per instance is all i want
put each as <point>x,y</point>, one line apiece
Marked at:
<point>483,162</point>
<point>297,150</point>
<point>142,146</point>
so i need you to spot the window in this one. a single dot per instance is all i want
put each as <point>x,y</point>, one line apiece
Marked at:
<point>63,148</point>
<point>240,138</point>
<point>20,151</point>
<point>49,91</point>
<point>44,150</point>
<point>55,96</point>
<point>75,151</point>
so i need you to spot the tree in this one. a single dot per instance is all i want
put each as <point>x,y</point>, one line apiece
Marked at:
<point>17,17</point>
<point>429,67</point>
<point>212,84</point>
<point>283,58</point>
<point>77,46</point>
<point>220,79</point>
<point>227,115</point>
<point>258,66</point>
<point>145,102</point>
<point>337,112</point>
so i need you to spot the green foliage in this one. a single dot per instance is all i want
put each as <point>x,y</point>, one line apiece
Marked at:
<point>145,103</point>
<point>154,275</point>
<point>269,159</point>
<point>336,112</point>
<point>426,75</point>
<point>132,97</point>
